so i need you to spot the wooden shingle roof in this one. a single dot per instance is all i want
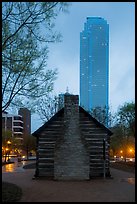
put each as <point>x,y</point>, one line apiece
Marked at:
<point>60,113</point>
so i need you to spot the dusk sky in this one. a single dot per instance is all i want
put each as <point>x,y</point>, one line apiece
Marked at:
<point>65,56</point>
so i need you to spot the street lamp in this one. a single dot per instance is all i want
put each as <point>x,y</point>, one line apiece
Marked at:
<point>121,154</point>
<point>8,143</point>
<point>131,152</point>
<point>6,152</point>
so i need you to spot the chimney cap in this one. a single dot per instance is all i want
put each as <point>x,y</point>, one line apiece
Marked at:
<point>67,91</point>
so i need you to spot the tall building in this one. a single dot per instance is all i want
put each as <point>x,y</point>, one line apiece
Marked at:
<point>26,117</point>
<point>19,125</point>
<point>94,64</point>
<point>13,123</point>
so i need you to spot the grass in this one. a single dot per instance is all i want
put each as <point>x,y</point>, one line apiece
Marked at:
<point>124,166</point>
<point>11,192</point>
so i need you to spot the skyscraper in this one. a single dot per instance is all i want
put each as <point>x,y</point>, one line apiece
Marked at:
<point>13,123</point>
<point>94,64</point>
<point>26,116</point>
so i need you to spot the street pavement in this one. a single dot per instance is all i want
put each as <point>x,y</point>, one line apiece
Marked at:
<point>121,188</point>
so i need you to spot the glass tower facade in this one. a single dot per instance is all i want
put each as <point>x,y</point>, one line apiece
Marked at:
<point>94,64</point>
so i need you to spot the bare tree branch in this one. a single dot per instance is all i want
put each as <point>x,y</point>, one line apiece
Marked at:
<point>25,50</point>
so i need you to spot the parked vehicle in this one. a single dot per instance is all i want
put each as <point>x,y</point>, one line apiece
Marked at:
<point>130,159</point>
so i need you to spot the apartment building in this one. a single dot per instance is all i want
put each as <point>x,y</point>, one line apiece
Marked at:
<point>14,123</point>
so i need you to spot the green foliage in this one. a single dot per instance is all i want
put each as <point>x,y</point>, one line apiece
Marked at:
<point>124,130</point>
<point>27,29</point>
<point>126,118</point>
<point>116,139</point>
<point>6,136</point>
<point>102,114</point>
<point>29,144</point>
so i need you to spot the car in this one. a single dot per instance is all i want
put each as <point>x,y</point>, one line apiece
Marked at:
<point>130,159</point>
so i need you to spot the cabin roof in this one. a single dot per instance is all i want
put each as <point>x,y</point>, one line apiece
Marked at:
<point>61,114</point>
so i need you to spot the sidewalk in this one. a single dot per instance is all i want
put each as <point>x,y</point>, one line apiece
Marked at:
<point>119,189</point>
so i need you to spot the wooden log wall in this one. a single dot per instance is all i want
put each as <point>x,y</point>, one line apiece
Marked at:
<point>45,150</point>
<point>94,136</point>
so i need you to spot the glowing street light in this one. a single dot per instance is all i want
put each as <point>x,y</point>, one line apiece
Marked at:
<point>8,142</point>
<point>132,152</point>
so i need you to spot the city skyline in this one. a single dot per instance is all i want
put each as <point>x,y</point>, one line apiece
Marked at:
<point>65,55</point>
<point>94,64</point>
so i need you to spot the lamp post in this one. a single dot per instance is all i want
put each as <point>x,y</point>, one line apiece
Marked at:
<point>121,154</point>
<point>8,143</point>
<point>2,153</point>
<point>6,152</point>
<point>131,151</point>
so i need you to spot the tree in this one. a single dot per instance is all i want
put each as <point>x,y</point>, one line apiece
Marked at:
<point>47,107</point>
<point>123,130</point>
<point>6,135</point>
<point>25,78</point>
<point>103,115</point>
<point>7,142</point>
<point>116,140</point>
<point>29,144</point>
<point>126,118</point>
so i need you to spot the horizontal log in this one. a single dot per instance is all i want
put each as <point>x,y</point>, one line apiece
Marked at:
<point>45,174</point>
<point>46,146</point>
<point>46,167</point>
<point>46,142</point>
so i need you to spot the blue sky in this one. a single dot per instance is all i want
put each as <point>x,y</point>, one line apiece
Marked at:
<point>66,55</point>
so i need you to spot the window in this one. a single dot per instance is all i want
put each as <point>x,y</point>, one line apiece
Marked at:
<point>17,130</point>
<point>18,124</point>
<point>17,118</point>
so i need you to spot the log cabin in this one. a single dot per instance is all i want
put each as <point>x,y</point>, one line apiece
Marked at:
<point>72,145</point>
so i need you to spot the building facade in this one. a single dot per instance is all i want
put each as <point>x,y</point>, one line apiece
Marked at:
<point>19,125</point>
<point>94,64</point>
<point>13,123</point>
<point>26,117</point>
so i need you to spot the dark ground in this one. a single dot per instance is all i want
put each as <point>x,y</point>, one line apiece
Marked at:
<point>124,166</point>
<point>13,193</point>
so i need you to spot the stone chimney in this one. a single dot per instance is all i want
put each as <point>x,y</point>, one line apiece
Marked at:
<point>71,156</point>
<point>71,109</point>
